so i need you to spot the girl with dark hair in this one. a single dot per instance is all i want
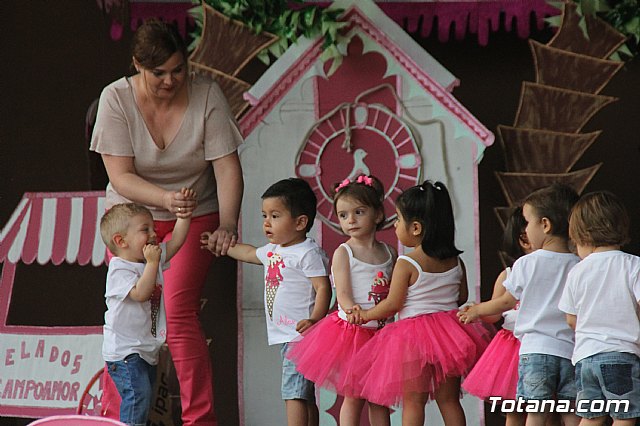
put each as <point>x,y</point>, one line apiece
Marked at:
<point>422,355</point>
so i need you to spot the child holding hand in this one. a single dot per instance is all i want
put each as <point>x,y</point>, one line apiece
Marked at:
<point>135,322</point>
<point>496,372</point>
<point>361,270</point>
<point>422,355</point>
<point>601,304</point>
<point>537,281</point>
<point>297,289</point>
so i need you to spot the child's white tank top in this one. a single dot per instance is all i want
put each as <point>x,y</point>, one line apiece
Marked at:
<point>432,291</point>
<point>364,277</point>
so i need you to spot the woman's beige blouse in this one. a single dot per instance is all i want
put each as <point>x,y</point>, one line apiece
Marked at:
<point>208,131</point>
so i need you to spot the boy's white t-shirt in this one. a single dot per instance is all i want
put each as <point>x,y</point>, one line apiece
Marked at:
<point>537,281</point>
<point>603,292</point>
<point>289,296</point>
<point>130,326</point>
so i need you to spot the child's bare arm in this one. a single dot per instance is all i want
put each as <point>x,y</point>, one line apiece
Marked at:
<point>242,252</point>
<point>492,307</point>
<point>342,279</point>
<point>323,296</point>
<point>178,236</point>
<point>181,228</point>
<point>464,288</point>
<point>400,279</point>
<point>571,320</point>
<point>498,291</point>
<point>143,289</point>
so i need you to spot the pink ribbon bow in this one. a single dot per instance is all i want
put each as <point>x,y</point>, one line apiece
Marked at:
<point>365,180</point>
<point>343,184</point>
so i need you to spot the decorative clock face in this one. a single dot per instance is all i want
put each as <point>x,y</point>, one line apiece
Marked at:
<point>359,139</point>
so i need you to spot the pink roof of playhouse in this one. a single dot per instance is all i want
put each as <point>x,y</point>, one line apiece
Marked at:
<point>55,227</point>
<point>285,73</point>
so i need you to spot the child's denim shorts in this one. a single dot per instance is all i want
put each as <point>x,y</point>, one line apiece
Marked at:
<point>543,376</point>
<point>611,376</point>
<point>294,385</point>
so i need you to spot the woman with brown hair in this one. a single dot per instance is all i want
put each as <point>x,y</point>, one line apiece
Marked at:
<point>158,131</point>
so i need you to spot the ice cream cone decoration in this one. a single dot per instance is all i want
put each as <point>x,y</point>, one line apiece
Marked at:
<point>379,291</point>
<point>272,279</point>
<point>155,307</point>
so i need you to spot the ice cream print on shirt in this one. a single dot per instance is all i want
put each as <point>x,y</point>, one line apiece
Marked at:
<point>379,291</point>
<point>272,279</point>
<point>155,308</point>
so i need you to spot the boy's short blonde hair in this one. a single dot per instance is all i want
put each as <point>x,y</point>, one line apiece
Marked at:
<point>599,219</point>
<point>116,221</point>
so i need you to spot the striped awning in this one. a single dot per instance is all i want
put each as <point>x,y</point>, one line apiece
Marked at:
<point>55,227</point>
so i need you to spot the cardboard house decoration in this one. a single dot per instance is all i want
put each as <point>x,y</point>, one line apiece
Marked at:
<point>45,369</point>
<point>387,111</point>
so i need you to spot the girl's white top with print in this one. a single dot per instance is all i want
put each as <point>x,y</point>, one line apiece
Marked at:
<point>603,291</point>
<point>432,292</point>
<point>537,281</point>
<point>289,296</point>
<point>130,326</point>
<point>363,276</point>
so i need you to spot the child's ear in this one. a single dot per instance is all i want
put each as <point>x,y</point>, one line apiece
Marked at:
<point>301,222</point>
<point>380,218</point>
<point>416,228</point>
<point>119,241</point>
<point>547,226</point>
<point>523,240</point>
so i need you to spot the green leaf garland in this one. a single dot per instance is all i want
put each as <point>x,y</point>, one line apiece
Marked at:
<point>276,17</point>
<point>623,15</point>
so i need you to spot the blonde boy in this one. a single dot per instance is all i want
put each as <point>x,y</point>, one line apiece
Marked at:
<point>135,323</point>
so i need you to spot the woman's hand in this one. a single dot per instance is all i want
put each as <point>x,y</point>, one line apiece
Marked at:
<point>179,203</point>
<point>219,241</point>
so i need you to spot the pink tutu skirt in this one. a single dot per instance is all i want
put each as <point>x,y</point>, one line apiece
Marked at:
<point>325,351</point>
<point>416,355</point>
<point>496,372</point>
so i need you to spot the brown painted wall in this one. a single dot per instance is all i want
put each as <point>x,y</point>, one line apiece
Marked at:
<point>491,77</point>
<point>57,59</point>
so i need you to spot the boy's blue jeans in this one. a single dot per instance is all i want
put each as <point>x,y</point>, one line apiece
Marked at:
<point>611,376</point>
<point>134,378</point>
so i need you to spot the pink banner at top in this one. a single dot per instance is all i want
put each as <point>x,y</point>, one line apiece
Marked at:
<point>479,17</point>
